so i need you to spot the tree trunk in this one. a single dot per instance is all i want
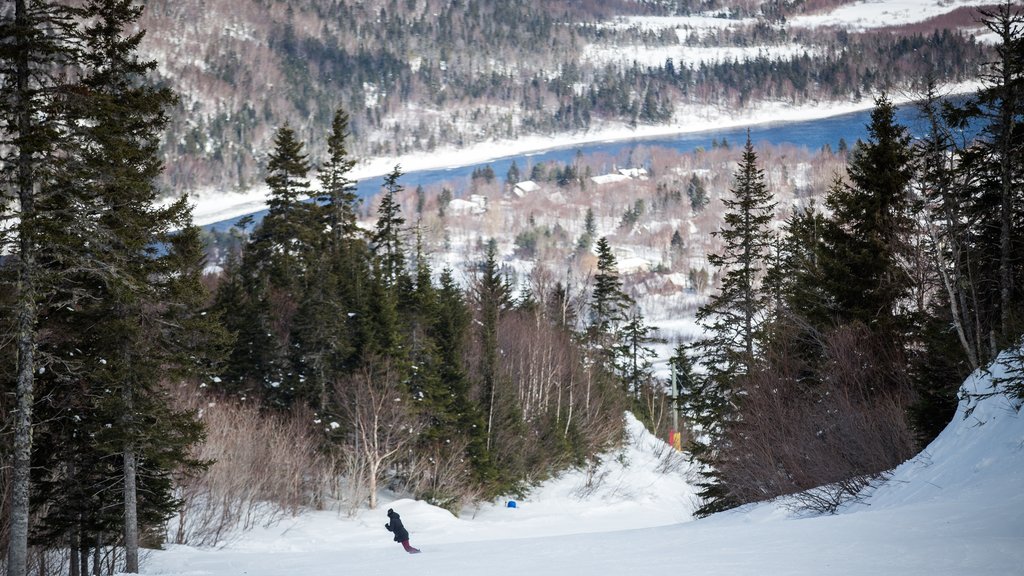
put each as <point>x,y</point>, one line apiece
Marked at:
<point>75,569</point>
<point>83,553</point>
<point>17,550</point>
<point>131,517</point>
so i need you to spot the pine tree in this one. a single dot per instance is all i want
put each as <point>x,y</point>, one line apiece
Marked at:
<point>452,325</point>
<point>33,47</point>
<point>734,317</point>
<point>633,354</point>
<point>866,240</point>
<point>288,237</point>
<point>143,297</point>
<point>387,237</point>
<point>512,176</point>
<point>272,279</point>
<point>697,193</point>
<point>338,191</point>
<point>992,200</point>
<point>608,303</point>
<point>493,296</point>
<point>938,369</point>
<point>586,240</point>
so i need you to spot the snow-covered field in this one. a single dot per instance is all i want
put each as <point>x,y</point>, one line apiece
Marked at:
<point>869,14</point>
<point>955,509</point>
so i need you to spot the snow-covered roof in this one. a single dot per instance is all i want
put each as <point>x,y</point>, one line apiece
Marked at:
<point>525,187</point>
<point>608,178</point>
<point>635,173</point>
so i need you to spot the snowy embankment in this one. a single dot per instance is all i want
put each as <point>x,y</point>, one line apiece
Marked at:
<point>957,508</point>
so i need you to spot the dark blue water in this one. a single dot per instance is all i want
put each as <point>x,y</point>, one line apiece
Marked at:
<point>810,134</point>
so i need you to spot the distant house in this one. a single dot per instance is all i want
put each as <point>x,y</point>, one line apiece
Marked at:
<point>621,175</point>
<point>525,187</point>
<point>476,204</point>
<point>634,173</point>
<point>608,179</point>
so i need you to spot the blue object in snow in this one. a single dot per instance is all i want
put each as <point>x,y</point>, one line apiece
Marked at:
<point>511,504</point>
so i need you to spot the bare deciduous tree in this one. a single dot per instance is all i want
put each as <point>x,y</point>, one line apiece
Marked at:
<point>384,427</point>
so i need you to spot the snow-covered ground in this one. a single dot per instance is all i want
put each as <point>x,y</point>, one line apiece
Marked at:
<point>869,14</point>
<point>955,509</point>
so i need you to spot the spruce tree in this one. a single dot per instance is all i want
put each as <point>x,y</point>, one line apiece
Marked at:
<point>993,198</point>
<point>733,319</point>
<point>338,190</point>
<point>493,296</point>
<point>608,302</point>
<point>272,278</point>
<point>34,45</point>
<point>865,242</point>
<point>734,316</point>
<point>387,236</point>
<point>144,298</point>
<point>633,354</point>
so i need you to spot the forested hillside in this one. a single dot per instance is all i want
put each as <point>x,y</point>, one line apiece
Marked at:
<point>418,74</point>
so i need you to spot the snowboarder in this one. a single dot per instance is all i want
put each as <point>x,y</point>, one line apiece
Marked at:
<point>401,534</point>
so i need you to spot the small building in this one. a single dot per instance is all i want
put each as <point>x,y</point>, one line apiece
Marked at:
<point>608,179</point>
<point>634,173</point>
<point>525,187</point>
<point>476,204</point>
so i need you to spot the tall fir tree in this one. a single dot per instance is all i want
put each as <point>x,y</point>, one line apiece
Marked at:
<point>143,300</point>
<point>35,44</point>
<point>865,243</point>
<point>271,280</point>
<point>337,189</point>
<point>734,318</point>
<point>608,302</point>
<point>387,236</point>
<point>493,296</point>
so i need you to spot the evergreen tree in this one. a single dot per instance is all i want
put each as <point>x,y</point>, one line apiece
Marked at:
<point>387,237</point>
<point>634,354</point>
<point>34,46</point>
<point>493,296</point>
<point>337,190</point>
<point>586,240</point>
<point>697,193</point>
<point>608,303</point>
<point>734,317</point>
<point>146,298</point>
<point>272,279</point>
<point>865,242</point>
<point>993,199</point>
<point>288,237</point>
<point>512,176</point>
<point>937,367</point>
<point>451,329</point>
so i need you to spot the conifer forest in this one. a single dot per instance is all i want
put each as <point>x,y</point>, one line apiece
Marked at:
<point>163,383</point>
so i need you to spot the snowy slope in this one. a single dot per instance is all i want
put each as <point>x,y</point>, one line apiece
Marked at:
<point>957,508</point>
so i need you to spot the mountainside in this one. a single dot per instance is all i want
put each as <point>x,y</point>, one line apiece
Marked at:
<point>956,508</point>
<point>418,74</point>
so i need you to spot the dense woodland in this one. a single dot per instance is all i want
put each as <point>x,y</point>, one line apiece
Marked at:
<point>145,402</point>
<point>419,74</point>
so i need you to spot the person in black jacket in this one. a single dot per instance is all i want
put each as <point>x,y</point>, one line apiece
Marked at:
<point>401,534</point>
